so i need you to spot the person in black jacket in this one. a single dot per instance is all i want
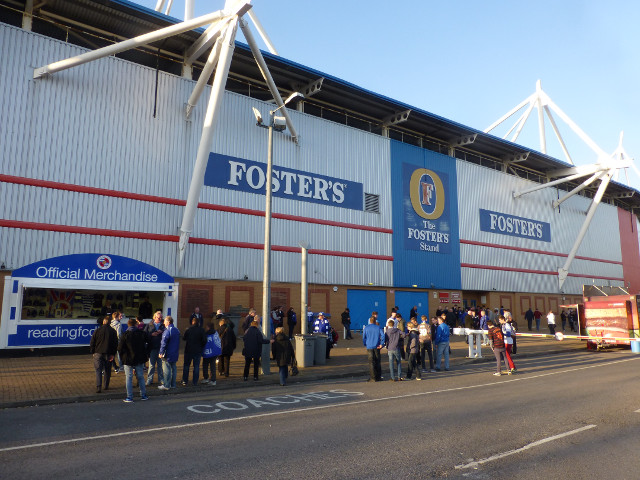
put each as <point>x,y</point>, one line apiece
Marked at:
<point>292,319</point>
<point>252,351</point>
<point>133,355</point>
<point>154,331</point>
<point>228,345</point>
<point>346,321</point>
<point>195,339</point>
<point>284,353</point>
<point>103,347</point>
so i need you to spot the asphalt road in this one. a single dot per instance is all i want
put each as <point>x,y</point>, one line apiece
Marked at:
<point>569,416</point>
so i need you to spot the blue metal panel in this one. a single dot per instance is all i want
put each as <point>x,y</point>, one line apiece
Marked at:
<point>362,302</point>
<point>405,301</point>
<point>426,240</point>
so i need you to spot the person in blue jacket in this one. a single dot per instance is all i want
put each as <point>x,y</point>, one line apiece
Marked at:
<point>169,352</point>
<point>373,339</point>
<point>442,343</point>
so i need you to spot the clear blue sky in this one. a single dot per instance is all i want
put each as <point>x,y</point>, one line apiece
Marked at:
<point>472,61</point>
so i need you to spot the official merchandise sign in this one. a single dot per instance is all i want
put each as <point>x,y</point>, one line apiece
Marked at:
<point>427,218</point>
<point>242,175</point>
<point>93,267</point>
<point>504,224</point>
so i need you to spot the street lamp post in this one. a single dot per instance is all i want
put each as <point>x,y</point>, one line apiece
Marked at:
<point>279,124</point>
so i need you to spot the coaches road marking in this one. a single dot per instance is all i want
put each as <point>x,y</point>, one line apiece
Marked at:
<point>526,447</point>
<point>305,409</point>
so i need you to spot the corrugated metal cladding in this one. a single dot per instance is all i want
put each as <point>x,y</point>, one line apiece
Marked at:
<point>484,188</point>
<point>94,125</point>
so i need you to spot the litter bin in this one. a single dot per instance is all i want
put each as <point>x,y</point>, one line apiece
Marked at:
<point>320,356</point>
<point>305,350</point>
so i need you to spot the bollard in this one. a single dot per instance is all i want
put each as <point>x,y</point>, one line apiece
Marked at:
<point>475,350</point>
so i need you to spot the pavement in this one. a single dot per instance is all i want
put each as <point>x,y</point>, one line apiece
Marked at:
<point>45,377</point>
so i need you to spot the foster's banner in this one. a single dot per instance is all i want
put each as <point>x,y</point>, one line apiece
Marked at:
<point>243,175</point>
<point>503,224</point>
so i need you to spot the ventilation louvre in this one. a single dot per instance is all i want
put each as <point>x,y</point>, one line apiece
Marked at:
<point>371,203</point>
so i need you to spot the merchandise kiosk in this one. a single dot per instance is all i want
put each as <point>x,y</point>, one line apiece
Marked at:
<point>57,302</point>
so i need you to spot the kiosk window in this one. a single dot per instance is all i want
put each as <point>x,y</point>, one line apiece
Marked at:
<point>50,303</point>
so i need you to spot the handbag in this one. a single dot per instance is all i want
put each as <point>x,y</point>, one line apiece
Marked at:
<point>294,367</point>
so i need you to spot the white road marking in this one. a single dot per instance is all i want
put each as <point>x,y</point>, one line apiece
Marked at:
<point>305,409</point>
<point>526,447</point>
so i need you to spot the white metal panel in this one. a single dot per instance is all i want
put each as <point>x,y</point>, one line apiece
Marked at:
<point>480,187</point>
<point>94,126</point>
<point>477,279</point>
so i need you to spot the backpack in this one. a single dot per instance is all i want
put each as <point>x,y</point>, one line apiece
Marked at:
<point>334,335</point>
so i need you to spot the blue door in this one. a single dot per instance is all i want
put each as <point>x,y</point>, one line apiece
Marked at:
<point>362,302</point>
<point>407,300</point>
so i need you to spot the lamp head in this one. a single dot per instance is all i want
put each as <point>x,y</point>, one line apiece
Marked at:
<point>279,123</point>
<point>294,96</point>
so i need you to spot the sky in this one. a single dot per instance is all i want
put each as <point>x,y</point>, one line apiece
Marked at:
<point>473,61</point>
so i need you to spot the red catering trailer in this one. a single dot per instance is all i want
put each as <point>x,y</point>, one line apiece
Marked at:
<point>612,320</point>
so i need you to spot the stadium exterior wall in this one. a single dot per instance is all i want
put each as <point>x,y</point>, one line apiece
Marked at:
<point>93,127</point>
<point>528,263</point>
<point>90,162</point>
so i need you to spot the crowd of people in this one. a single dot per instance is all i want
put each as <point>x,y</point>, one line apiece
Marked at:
<point>419,339</point>
<point>155,347</point>
<point>421,342</point>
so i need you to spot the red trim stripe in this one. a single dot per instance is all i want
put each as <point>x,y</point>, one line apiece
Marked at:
<point>175,238</point>
<point>540,252</point>
<point>175,201</point>
<point>536,272</point>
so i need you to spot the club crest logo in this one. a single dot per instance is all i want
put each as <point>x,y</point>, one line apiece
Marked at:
<point>103,262</point>
<point>427,193</point>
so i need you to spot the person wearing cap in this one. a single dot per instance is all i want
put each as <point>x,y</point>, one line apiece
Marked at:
<point>322,325</point>
<point>442,342</point>
<point>373,339</point>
